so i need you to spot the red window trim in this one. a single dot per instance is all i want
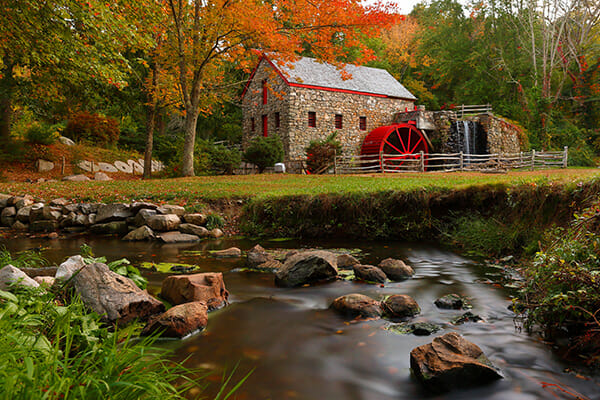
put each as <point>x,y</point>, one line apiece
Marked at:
<point>339,121</point>
<point>312,119</point>
<point>265,125</point>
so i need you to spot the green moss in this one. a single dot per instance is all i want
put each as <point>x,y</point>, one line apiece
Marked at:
<point>169,267</point>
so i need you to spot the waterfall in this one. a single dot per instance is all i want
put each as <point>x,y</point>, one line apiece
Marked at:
<point>466,133</point>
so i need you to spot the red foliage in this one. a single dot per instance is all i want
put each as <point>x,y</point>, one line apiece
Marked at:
<point>94,128</point>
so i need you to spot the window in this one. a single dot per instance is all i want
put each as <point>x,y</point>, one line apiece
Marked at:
<point>362,123</point>
<point>252,127</point>
<point>312,119</point>
<point>265,125</point>
<point>277,120</point>
<point>338,121</point>
<point>264,91</point>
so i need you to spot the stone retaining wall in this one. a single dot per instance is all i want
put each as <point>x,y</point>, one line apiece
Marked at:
<point>133,221</point>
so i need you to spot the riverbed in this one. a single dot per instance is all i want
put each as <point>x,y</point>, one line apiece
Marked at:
<point>299,349</point>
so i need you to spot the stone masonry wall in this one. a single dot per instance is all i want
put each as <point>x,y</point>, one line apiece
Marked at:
<point>502,136</point>
<point>294,104</point>
<point>378,111</point>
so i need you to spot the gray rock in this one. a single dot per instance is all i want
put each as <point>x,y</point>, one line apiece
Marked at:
<point>268,266</point>
<point>106,167</point>
<point>12,275</point>
<point>101,176</point>
<point>357,305</point>
<point>141,233</point>
<point>110,228</point>
<point>192,229</point>
<point>171,209</point>
<point>451,362</point>
<point>452,302</point>
<point>307,267</point>
<point>216,233</point>
<point>231,252</point>
<point>400,306</point>
<point>113,212</point>
<point>346,261</point>
<point>424,328</point>
<point>36,212</point>
<point>65,271</point>
<point>177,237</point>
<point>163,223</point>
<point>89,208</point>
<point>4,200</point>
<point>369,273</point>
<point>23,214</point>
<point>143,215</point>
<point>24,201</point>
<point>466,317</point>
<point>76,178</point>
<point>257,256</point>
<point>50,213</point>
<point>113,296</point>
<point>8,216</point>
<point>60,202</point>
<point>135,207</point>
<point>396,270</point>
<point>196,219</point>
<point>44,165</point>
<point>66,141</point>
<point>69,208</point>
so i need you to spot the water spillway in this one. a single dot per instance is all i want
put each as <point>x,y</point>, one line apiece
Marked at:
<point>467,137</point>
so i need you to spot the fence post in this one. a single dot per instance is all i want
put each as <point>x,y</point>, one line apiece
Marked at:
<point>381,161</point>
<point>532,159</point>
<point>422,164</point>
<point>334,161</point>
<point>462,161</point>
<point>565,159</point>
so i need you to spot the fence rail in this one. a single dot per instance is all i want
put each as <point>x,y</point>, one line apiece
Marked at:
<point>472,109</point>
<point>440,162</point>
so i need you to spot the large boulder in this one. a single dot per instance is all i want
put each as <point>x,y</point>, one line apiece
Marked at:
<point>179,321</point>
<point>451,362</point>
<point>307,267</point>
<point>171,209</point>
<point>136,206</point>
<point>196,219</point>
<point>113,296</point>
<point>76,178</point>
<point>69,267</point>
<point>44,165</point>
<point>400,306</point>
<point>8,216</point>
<point>452,302</point>
<point>396,270</point>
<point>177,237</point>
<point>143,215</point>
<point>257,256</point>
<point>163,223</point>
<point>192,229</point>
<point>23,214</point>
<point>215,233</point>
<point>346,261</point>
<point>357,305</point>
<point>206,287</point>
<point>113,212</point>
<point>10,275</point>
<point>369,273</point>
<point>141,233</point>
<point>232,252</point>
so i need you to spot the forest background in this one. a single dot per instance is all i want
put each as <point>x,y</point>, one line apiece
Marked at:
<point>165,77</point>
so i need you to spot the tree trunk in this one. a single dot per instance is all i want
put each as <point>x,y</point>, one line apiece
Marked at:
<point>151,123</point>
<point>191,120</point>
<point>6,91</point>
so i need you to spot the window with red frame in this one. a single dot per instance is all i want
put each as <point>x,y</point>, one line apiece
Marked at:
<point>312,119</point>
<point>362,123</point>
<point>265,125</point>
<point>338,121</point>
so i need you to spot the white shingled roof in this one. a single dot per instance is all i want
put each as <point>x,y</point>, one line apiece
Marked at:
<point>308,71</point>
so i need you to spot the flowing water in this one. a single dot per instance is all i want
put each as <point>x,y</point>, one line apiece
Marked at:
<point>299,349</point>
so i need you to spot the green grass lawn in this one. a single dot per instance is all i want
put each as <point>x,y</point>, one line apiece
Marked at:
<point>192,190</point>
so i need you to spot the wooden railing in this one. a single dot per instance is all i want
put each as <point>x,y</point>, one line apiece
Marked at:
<point>463,109</point>
<point>439,162</point>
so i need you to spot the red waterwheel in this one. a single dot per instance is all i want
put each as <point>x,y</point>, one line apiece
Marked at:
<point>398,143</point>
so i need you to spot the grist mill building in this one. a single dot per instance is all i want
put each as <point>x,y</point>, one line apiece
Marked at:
<point>308,100</point>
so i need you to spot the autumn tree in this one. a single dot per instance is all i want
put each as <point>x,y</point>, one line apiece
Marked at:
<point>204,35</point>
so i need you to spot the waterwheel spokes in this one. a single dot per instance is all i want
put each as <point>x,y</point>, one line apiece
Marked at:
<point>412,151</point>
<point>394,147</point>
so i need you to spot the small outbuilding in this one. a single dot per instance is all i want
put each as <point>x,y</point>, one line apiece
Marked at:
<point>308,100</point>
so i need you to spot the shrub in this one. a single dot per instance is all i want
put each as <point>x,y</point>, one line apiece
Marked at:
<point>321,153</point>
<point>214,221</point>
<point>264,152</point>
<point>39,133</point>
<point>210,158</point>
<point>94,128</point>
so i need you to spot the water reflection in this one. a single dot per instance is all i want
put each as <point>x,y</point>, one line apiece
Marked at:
<point>301,350</point>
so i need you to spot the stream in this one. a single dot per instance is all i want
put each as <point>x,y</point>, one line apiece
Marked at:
<point>300,350</point>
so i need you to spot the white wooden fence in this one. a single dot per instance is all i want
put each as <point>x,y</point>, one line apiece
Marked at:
<point>439,162</point>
